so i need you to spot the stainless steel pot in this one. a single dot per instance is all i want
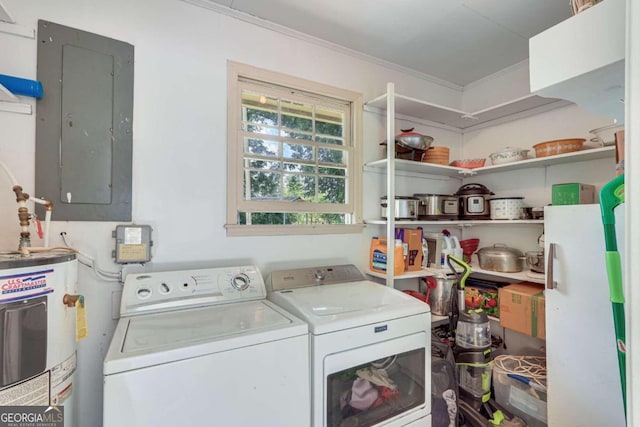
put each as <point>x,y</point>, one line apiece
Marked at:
<point>437,206</point>
<point>535,261</point>
<point>474,201</point>
<point>404,208</point>
<point>440,296</point>
<point>501,258</point>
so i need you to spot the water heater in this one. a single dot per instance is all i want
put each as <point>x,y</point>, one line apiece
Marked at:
<point>37,331</point>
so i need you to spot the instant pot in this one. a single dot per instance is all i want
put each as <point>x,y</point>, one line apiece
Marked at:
<point>473,201</point>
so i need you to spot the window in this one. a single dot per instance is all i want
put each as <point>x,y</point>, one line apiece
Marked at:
<point>293,155</point>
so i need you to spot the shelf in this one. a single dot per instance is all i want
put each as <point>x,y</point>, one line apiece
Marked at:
<point>418,167</point>
<point>453,172</point>
<point>559,159</point>
<point>408,106</point>
<point>15,107</point>
<point>460,222</point>
<point>521,276</point>
<point>425,272</point>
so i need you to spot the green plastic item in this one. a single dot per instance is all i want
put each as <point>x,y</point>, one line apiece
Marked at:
<point>498,418</point>
<point>612,195</point>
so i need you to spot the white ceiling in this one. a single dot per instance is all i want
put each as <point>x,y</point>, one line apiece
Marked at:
<point>459,41</point>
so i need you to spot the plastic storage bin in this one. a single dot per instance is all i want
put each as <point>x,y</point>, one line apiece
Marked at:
<point>526,401</point>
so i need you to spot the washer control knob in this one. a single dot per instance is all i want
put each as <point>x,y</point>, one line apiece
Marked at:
<point>240,281</point>
<point>319,276</point>
<point>144,293</point>
<point>164,288</point>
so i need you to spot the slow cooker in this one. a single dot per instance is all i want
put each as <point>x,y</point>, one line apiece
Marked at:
<point>437,206</point>
<point>404,208</point>
<point>473,201</point>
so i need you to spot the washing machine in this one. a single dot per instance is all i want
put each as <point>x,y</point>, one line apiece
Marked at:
<point>370,347</point>
<point>205,347</point>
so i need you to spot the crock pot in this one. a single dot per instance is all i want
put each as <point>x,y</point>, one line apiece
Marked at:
<point>474,201</point>
<point>437,206</point>
<point>506,207</point>
<point>404,207</point>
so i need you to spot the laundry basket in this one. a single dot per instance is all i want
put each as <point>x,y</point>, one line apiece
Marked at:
<point>520,384</point>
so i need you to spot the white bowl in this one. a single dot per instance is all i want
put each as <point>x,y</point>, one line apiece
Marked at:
<point>508,155</point>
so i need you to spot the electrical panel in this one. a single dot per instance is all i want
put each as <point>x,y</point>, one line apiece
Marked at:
<point>133,244</point>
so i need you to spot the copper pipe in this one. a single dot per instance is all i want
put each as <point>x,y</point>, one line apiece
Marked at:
<point>70,300</point>
<point>23,216</point>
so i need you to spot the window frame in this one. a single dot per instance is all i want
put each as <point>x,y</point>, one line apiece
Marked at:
<point>237,74</point>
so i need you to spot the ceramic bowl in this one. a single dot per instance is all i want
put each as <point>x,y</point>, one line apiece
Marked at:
<point>508,155</point>
<point>468,163</point>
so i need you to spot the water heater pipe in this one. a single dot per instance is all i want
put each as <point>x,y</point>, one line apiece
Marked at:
<point>47,217</point>
<point>22,209</point>
<point>12,178</point>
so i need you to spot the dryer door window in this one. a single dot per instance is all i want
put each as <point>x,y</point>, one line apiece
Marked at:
<point>23,339</point>
<point>379,388</point>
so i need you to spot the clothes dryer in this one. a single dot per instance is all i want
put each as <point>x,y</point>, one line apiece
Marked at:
<point>370,347</point>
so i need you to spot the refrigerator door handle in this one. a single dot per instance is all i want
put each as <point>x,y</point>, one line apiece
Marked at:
<point>551,254</point>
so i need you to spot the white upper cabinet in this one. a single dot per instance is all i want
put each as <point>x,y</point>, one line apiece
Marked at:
<point>582,60</point>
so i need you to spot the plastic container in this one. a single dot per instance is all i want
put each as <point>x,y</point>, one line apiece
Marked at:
<point>473,331</point>
<point>456,247</point>
<point>528,401</point>
<point>448,248</point>
<point>378,256</point>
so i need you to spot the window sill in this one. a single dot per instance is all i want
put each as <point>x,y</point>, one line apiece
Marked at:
<point>291,230</point>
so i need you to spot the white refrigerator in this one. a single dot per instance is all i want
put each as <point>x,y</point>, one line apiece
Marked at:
<point>582,367</point>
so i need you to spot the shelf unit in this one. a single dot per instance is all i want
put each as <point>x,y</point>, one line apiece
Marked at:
<point>460,222</point>
<point>523,276</point>
<point>412,107</point>
<point>396,104</point>
<point>8,101</point>
<point>455,172</point>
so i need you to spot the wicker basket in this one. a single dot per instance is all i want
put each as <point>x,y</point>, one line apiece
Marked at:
<point>579,5</point>
<point>438,155</point>
<point>558,146</point>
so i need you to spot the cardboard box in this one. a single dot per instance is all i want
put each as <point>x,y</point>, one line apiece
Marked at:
<point>573,194</point>
<point>413,239</point>
<point>522,308</point>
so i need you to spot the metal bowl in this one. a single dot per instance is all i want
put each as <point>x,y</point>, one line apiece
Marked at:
<point>535,261</point>
<point>414,140</point>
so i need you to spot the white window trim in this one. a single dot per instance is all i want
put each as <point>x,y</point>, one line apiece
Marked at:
<point>235,153</point>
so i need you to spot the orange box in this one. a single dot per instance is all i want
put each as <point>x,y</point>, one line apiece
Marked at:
<point>413,239</point>
<point>522,308</point>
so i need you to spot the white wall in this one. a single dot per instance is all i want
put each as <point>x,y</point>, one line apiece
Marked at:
<point>179,145</point>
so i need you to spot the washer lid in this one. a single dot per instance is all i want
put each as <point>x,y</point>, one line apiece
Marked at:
<point>340,306</point>
<point>152,339</point>
<point>180,328</point>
